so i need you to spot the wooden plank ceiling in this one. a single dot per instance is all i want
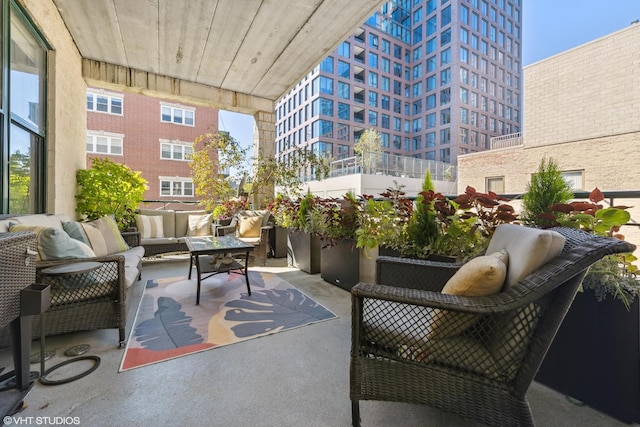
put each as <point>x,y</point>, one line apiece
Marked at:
<point>256,47</point>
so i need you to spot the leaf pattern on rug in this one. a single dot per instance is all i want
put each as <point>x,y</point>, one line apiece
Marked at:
<point>270,310</point>
<point>170,328</point>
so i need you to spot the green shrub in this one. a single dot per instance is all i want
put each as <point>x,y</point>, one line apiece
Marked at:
<point>108,188</point>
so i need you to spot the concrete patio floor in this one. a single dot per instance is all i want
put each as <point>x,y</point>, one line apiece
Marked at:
<point>295,378</point>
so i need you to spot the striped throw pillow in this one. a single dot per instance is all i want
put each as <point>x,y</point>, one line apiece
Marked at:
<point>104,236</point>
<point>150,226</point>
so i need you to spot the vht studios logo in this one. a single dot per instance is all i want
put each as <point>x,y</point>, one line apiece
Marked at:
<point>43,421</point>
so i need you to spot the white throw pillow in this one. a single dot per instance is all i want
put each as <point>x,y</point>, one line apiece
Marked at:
<point>200,225</point>
<point>528,248</point>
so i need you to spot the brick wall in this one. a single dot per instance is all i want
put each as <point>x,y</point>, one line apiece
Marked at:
<point>142,129</point>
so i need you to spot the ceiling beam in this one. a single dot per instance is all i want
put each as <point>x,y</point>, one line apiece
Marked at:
<point>116,77</point>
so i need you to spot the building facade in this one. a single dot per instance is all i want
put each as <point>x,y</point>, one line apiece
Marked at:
<point>587,122</point>
<point>435,78</point>
<point>149,135</point>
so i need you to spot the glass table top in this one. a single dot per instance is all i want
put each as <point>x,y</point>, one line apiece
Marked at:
<point>209,243</point>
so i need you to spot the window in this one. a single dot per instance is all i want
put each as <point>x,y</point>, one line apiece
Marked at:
<point>344,69</point>
<point>343,90</point>
<point>445,56</point>
<point>176,187</point>
<point>495,184</point>
<point>327,65</point>
<point>104,103</point>
<point>102,143</point>
<point>24,113</point>
<point>343,111</point>
<point>344,50</point>
<point>431,45</point>
<point>445,116</point>
<point>180,116</point>
<point>445,16</point>
<point>373,60</point>
<point>175,150</point>
<point>575,179</point>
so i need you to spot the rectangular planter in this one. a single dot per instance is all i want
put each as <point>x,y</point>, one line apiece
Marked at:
<point>278,242</point>
<point>368,259</point>
<point>303,251</point>
<point>595,356</point>
<point>340,264</point>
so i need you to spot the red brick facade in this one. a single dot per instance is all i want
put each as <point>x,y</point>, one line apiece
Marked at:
<point>142,132</point>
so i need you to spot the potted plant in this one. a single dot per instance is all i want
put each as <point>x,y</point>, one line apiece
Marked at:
<point>455,230</point>
<point>595,357</point>
<point>303,247</point>
<point>382,228</point>
<point>109,188</point>
<point>335,222</point>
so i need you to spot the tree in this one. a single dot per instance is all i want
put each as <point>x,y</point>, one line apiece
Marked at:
<point>369,146</point>
<point>109,188</point>
<point>215,153</point>
<point>547,188</point>
<point>216,163</point>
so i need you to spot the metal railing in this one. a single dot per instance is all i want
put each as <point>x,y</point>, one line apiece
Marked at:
<point>506,141</point>
<point>393,165</point>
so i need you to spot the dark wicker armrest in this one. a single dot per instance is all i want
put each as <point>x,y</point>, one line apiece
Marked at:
<point>131,237</point>
<point>501,302</point>
<point>108,280</point>
<point>414,273</point>
<point>223,230</point>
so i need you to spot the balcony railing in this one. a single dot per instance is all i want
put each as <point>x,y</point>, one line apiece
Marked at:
<point>393,165</point>
<point>506,141</point>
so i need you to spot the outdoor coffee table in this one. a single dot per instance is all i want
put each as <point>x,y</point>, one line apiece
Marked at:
<point>203,253</point>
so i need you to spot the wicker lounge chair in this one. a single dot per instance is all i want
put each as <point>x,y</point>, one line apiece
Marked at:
<point>481,373</point>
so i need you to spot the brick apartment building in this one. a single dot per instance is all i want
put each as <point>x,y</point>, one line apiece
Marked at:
<point>149,135</point>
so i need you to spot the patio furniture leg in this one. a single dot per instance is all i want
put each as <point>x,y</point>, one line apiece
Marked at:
<point>355,413</point>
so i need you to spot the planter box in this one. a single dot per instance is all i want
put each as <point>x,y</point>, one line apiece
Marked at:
<point>368,259</point>
<point>303,251</point>
<point>340,264</point>
<point>595,356</point>
<point>278,242</point>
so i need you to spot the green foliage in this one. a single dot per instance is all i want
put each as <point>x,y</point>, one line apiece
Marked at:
<point>228,208</point>
<point>384,222</point>
<point>368,147</point>
<point>333,219</point>
<point>459,228</point>
<point>218,161</point>
<point>109,188</point>
<point>614,275</point>
<point>423,226</point>
<point>547,188</point>
<point>19,182</point>
<point>214,155</point>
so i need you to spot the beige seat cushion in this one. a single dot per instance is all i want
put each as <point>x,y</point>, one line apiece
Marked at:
<point>528,248</point>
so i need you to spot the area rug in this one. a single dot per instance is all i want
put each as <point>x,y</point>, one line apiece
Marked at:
<point>169,324</point>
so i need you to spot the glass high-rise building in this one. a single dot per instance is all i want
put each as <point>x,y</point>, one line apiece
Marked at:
<point>436,78</point>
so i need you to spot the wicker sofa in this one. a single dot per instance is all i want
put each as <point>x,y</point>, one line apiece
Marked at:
<point>175,227</point>
<point>96,299</point>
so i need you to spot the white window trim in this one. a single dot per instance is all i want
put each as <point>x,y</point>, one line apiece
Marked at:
<point>173,180</point>
<point>574,178</point>
<point>176,143</point>
<point>110,137</point>
<point>174,107</point>
<point>110,96</point>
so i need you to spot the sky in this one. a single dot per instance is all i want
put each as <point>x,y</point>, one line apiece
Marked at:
<point>548,28</point>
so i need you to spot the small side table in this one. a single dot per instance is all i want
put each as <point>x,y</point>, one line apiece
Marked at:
<point>68,271</point>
